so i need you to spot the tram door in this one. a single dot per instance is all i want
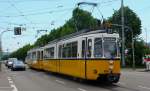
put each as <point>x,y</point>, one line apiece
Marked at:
<point>87,48</point>
<point>41,59</point>
<point>86,54</point>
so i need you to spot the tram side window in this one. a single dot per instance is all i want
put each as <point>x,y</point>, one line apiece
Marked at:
<point>50,52</point>
<point>30,56</point>
<point>64,52</point>
<point>70,50</point>
<point>33,55</point>
<point>38,55</point>
<point>83,48</point>
<point>41,54</point>
<point>89,47</point>
<point>60,51</point>
<point>74,49</point>
<point>98,52</point>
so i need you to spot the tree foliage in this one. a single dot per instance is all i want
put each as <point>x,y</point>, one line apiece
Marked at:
<point>134,22</point>
<point>130,19</point>
<point>80,20</point>
<point>21,53</point>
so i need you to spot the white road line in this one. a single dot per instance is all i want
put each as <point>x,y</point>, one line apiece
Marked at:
<point>122,83</point>
<point>10,82</point>
<point>144,87</point>
<point>61,82</point>
<point>82,89</point>
<point>12,85</point>
<point>9,79</point>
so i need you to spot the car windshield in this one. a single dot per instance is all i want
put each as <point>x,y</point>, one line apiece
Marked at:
<point>18,62</point>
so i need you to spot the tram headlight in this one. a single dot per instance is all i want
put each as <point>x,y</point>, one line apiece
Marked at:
<point>111,62</point>
<point>111,67</point>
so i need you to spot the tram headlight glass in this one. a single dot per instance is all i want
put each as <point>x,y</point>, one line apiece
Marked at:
<point>111,67</point>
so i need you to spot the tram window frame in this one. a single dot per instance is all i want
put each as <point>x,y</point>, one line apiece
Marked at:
<point>89,48</point>
<point>38,55</point>
<point>30,56</point>
<point>69,50</point>
<point>118,48</point>
<point>60,51</point>
<point>74,49</point>
<point>98,48</point>
<point>49,52</point>
<point>64,48</point>
<point>34,56</point>
<point>42,55</point>
<point>83,49</point>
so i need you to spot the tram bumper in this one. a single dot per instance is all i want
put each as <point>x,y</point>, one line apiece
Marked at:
<point>110,77</point>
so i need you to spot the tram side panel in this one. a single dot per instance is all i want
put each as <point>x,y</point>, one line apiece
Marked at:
<point>72,67</point>
<point>50,65</point>
<point>97,68</point>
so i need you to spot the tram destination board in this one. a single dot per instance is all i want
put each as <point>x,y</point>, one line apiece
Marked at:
<point>109,39</point>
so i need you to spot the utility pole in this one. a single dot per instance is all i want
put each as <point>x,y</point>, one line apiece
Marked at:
<point>1,51</point>
<point>123,39</point>
<point>133,54</point>
<point>146,35</point>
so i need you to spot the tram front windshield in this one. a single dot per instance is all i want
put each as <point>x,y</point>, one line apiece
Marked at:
<point>110,47</point>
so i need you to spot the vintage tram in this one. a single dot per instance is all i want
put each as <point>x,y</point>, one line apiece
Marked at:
<point>90,55</point>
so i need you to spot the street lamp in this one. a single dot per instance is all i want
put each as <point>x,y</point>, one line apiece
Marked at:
<point>1,53</point>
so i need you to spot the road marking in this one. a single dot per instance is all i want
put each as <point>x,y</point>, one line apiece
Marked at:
<point>9,79</point>
<point>11,82</point>
<point>61,82</point>
<point>82,89</point>
<point>144,87</point>
<point>12,85</point>
<point>122,83</point>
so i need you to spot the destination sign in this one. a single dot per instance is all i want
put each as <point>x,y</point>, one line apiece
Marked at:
<point>109,39</point>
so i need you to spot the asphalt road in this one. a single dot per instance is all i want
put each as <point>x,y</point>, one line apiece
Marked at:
<point>31,80</point>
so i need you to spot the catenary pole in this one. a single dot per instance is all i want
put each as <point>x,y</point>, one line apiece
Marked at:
<point>123,39</point>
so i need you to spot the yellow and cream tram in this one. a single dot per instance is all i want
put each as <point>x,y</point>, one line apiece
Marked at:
<point>92,55</point>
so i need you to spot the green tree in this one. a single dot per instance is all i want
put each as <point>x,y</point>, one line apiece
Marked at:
<point>21,53</point>
<point>131,20</point>
<point>134,22</point>
<point>80,20</point>
<point>83,19</point>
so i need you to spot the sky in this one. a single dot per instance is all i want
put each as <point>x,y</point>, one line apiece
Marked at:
<point>37,15</point>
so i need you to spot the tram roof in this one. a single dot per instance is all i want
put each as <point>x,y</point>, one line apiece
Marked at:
<point>76,34</point>
<point>80,33</point>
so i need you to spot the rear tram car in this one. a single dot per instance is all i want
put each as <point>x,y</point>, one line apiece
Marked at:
<point>91,55</point>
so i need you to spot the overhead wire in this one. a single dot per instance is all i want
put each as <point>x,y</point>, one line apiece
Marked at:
<point>21,13</point>
<point>39,13</point>
<point>22,1</point>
